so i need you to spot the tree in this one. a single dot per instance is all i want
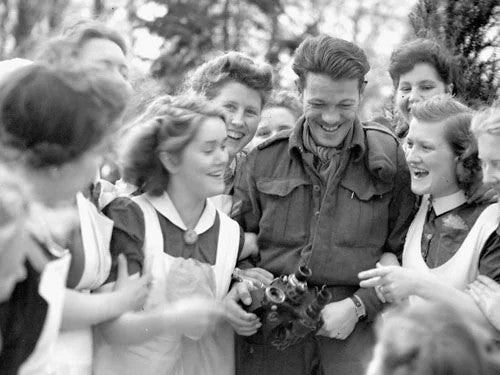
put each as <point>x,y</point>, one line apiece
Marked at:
<point>470,29</point>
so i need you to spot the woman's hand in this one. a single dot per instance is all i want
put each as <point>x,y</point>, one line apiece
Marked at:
<point>486,293</point>
<point>132,290</point>
<point>243,322</point>
<point>259,277</point>
<point>393,283</point>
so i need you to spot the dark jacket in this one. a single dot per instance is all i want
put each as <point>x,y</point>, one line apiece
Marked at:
<point>338,228</point>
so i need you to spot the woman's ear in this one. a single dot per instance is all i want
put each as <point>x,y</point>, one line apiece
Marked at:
<point>169,162</point>
<point>449,88</point>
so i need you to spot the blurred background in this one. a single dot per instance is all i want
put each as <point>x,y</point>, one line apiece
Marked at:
<point>170,37</point>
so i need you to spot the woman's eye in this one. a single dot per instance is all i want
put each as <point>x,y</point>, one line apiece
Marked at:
<point>405,89</point>
<point>427,88</point>
<point>230,107</point>
<point>251,112</point>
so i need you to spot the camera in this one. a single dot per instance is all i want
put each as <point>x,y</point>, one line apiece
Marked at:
<point>288,309</point>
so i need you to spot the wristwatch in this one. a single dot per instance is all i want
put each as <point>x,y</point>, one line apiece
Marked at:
<point>359,306</point>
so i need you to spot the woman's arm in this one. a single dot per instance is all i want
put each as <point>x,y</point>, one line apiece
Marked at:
<point>83,310</point>
<point>188,317</point>
<point>398,283</point>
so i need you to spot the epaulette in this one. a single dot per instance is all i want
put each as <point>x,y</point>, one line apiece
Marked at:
<point>285,134</point>
<point>379,127</point>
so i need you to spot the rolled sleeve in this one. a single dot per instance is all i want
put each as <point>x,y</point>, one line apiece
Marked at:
<point>127,237</point>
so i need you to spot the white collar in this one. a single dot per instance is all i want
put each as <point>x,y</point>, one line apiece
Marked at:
<point>163,204</point>
<point>442,205</point>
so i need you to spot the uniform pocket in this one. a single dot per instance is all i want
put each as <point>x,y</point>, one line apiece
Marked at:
<point>286,206</point>
<point>364,214</point>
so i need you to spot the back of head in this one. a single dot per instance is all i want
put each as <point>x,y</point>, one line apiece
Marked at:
<point>456,119</point>
<point>50,117</point>
<point>207,79</point>
<point>426,51</point>
<point>430,339</point>
<point>487,120</point>
<point>334,57</point>
<point>171,125</point>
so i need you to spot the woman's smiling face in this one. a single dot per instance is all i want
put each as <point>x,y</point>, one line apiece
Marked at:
<point>242,107</point>
<point>420,83</point>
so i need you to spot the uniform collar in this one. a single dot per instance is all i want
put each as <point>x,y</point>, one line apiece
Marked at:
<point>164,205</point>
<point>442,205</point>
<point>357,145</point>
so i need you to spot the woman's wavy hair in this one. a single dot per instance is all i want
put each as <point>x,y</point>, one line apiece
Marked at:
<point>421,50</point>
<point>209,78</point>
<point>68,45</point>
<point>50,117</point>
<point>429,339</point>
<point>171,125</point>
<point>456,119</point>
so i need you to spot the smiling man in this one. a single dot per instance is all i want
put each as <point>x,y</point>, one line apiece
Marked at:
<point>334,194</point>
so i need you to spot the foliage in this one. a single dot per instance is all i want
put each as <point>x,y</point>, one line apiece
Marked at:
<point>469,29</point>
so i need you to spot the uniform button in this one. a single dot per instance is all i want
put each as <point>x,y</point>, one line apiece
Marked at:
<point>429,236</point>
<point>316,214</point>
<point>316,188</point>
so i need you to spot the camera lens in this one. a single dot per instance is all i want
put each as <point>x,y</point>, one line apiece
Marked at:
<point>275,295</point>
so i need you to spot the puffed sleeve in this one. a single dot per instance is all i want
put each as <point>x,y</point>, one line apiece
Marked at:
<point>128,235</point>
<point>489,260</point>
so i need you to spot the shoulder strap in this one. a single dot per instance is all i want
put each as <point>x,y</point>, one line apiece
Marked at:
<point>153,237</point>
<point>227,253</point>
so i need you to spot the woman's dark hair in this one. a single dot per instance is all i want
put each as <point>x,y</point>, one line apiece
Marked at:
<point>426,51</point>
<point>456,119</point>
<point>171,126</point>
<point>51,117</point>
<point>209,78</point>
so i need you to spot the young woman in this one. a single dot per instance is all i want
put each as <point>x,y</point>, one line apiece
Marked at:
<point>450,240</point>
<point>420,70</point>
<point>240,87</point>
<point>53,126</point>
<point>432,339</point>
<point>279,114</point>
<point>486,129</point>
<point>171,230</point>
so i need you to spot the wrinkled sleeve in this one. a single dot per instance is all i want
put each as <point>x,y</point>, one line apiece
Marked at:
<point>127,236</point>
<point>489,260</point>
<point>401,213</point>
<point>246,208</point>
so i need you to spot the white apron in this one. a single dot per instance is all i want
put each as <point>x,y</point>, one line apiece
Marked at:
<point>74,349</point>
<point>52,288</point>
<point>166,354</point>
<point>462,268</point>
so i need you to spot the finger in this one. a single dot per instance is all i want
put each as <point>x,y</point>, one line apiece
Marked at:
<point>479,290</point>
<point>477,298</point>
<point>244,293</point>
<point>122,269</point>
<point>492,284</point>
<point>380,295</point>
<point>258,274</point>
<point>371,283</point>
<point>374,272</point>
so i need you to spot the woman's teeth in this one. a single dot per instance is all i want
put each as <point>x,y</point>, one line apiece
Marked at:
<point>330,128</point>
<point>235,134</point>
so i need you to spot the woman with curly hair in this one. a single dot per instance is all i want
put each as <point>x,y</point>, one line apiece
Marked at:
<point>450,240</point>
<point>177,160</point>
<point>420,70</point>
<point>240,87</point>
